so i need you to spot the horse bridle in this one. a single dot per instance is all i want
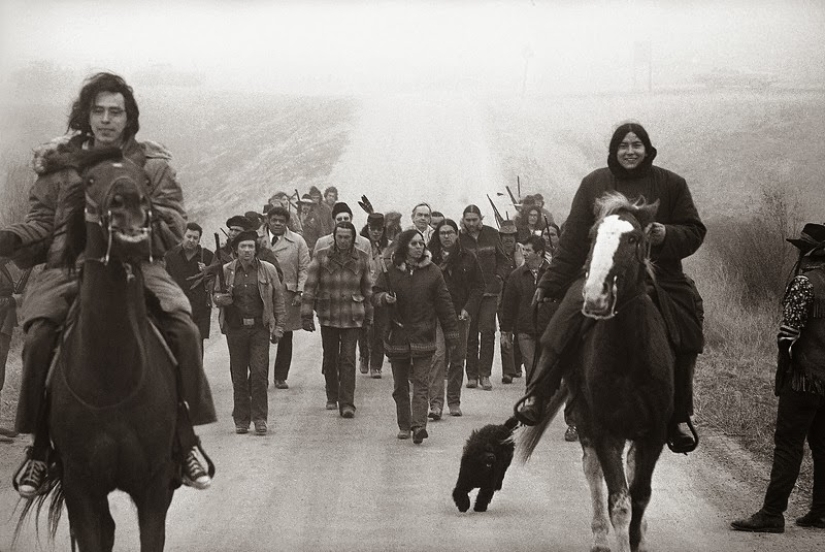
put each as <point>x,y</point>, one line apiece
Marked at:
<point>92,213</point>
<point>615,306</point>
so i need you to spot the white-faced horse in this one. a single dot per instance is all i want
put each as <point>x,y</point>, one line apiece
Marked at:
<point>622,385</point>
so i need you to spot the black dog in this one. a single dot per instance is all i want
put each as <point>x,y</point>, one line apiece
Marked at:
<point>487,455</point>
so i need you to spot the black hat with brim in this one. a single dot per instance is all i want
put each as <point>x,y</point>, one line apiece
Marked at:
<point>375,220</point>
<point>811,237</point>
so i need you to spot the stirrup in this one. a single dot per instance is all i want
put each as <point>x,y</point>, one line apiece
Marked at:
<point>687,449</point>
<point>517,411</point>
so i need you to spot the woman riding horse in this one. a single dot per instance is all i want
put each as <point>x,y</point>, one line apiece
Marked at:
<point>676,234</point>
<point>104,115</point>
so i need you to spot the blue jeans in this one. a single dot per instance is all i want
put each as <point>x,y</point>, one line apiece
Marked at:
<point>411,415</point>
<point>249,363</point>
<point>449,364</point>
<point>480,352</point>
<point>339,364</point>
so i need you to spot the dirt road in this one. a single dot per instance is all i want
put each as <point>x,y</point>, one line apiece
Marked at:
<point>318,482</point>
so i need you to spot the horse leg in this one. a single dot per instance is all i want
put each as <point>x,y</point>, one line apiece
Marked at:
<point>90,521</point>
<point>595,480</point>
<point>152,506</point>
<point>644,456</point>
<point>610,451</point>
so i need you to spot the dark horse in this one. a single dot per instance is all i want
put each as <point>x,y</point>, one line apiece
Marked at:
<point>112,399</point>
<point>623,383</point>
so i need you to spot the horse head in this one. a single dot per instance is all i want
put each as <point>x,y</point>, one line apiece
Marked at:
<point>109,211</point>
<point>117,202</point>
<point>619,254</point>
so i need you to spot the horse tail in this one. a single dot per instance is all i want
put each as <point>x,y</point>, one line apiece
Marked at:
<point>55,498</point>
<point>530,437</point>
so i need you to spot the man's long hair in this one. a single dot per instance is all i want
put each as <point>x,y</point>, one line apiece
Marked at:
<point>94,85</point>
<point>435,242</point>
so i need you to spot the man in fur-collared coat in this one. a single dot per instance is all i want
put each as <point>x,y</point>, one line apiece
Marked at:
<point>105,115</point>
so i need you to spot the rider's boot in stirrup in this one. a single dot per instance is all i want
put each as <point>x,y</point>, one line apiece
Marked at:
<point>530,408</point>
<point>194,474</point>
<point>682,436</point>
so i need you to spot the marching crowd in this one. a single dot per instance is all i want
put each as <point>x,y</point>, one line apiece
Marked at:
<point>428,296</point>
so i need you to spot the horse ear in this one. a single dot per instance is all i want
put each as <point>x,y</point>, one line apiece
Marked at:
<point>646,213</point>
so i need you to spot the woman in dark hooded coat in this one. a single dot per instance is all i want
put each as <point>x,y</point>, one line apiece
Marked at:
<point>676,234</point>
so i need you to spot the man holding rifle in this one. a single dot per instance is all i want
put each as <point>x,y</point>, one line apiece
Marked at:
<point>186,260</point>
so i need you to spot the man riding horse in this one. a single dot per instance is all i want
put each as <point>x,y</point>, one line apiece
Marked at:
<point>677,233</point>
<point>105,115</point>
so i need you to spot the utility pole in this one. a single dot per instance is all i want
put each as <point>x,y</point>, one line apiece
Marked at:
<point>527,53</point>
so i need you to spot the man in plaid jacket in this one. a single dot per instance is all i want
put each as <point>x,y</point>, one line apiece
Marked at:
<point>339,287</point>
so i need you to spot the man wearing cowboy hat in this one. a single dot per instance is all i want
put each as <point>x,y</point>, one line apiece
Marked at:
<point>252,315</point>
<point>800,385</point>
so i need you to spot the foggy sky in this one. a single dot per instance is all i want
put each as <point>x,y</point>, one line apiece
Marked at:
<point>367,48</point>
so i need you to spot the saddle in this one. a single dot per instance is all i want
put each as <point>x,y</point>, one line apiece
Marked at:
<point>680,306</point>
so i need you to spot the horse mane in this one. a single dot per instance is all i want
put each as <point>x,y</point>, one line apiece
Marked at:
<point>614,202</point>
<point>75,203</point>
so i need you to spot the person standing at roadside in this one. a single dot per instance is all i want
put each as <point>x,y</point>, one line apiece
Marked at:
<point>339,288</point>
<point>484,241</point>
<point>800,385</point>
<point>462,274</point>
<point>252,315</point>
<point>291,252</point>
<point>414,289</point>
<point>184,262</point>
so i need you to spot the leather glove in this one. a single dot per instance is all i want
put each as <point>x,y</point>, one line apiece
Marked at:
<point>9,241</point>
<point>308,325</point>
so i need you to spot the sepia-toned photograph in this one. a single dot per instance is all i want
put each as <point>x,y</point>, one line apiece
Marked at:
<point>384,276</point>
